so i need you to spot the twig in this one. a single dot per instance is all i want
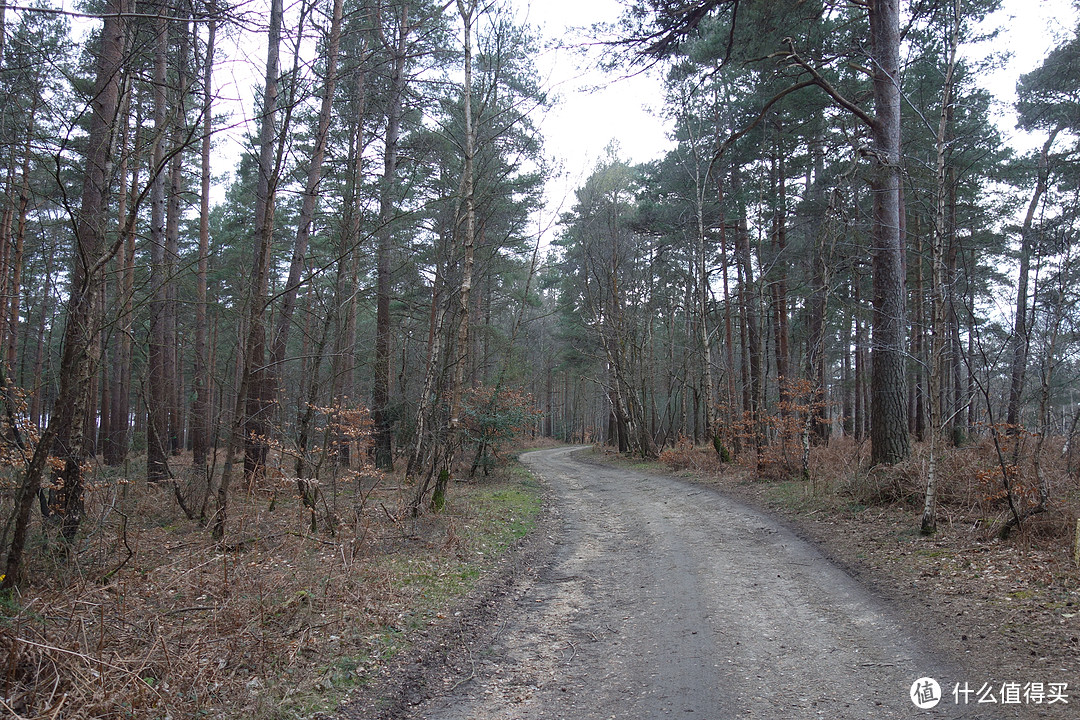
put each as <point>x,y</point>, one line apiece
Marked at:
<point>472,662</point>
<point>14,714</point>
<point>83,656</point>
<point>193,608</point>
<point>313,539</point>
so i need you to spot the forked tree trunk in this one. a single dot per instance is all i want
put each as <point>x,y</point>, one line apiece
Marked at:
<point>1019,340</point>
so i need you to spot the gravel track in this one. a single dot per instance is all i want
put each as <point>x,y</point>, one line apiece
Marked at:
<point>661,599</point>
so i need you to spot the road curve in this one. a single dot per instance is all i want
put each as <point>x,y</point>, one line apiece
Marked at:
<point>666,599</point>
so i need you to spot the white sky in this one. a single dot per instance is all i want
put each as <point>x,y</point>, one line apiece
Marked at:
<point>1029,30</point>
<point>594,109</point>
<point>626,110</point>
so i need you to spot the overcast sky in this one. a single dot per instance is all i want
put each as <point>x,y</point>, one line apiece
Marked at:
<point>625,110</point>
<point>594,109</point>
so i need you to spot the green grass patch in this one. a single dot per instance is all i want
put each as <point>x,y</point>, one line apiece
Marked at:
<point>795,495</point>
<point>414,585</point>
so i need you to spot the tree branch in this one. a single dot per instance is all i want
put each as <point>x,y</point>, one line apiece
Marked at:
<point>761,115</point>
<point>825,85</point>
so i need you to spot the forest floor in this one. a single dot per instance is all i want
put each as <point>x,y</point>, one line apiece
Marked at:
<point>376,612</point>
<point>144,616</point>
<point>993,617</point>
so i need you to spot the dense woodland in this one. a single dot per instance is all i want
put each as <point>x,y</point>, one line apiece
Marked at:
<point>839,245</point>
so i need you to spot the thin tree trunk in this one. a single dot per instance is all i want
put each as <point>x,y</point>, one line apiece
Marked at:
<point>1020,340</point>
<point>779,287</point>
<point>177,105</point>
<point>308,204</point>
<point>466,9</point>
<point>939,331</point>
<point>158,398</point>
<point>249,425</point>
<point>200,410</point>
<point>15,288</point>
<point>384,458</point>
<point>752,349</point>
<point>703,313</point>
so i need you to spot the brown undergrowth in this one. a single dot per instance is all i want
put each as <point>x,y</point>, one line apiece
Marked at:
<point>1008,610</point>
<point>145,617</point>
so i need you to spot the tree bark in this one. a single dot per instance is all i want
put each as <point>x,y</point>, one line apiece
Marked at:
<point>83,314</point>
<point>888,421</point>
<point>200,410</point>
<point>384,458</point>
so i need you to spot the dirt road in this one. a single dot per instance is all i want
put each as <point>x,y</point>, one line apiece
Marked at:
<point>663,599</point>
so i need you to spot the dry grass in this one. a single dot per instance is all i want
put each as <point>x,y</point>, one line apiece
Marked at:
<point>970,487</point>
<point>145,617</point>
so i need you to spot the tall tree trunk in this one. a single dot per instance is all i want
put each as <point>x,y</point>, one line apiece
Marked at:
<point>258,403</point>
<point>752,349</point>
<point>1020,340</point>
<point>888,421</point>
<point>940,332</point>
<point>308,204</point>
<point>860,356</point>
<point>466,9</point>
<point>15,289</point>
<point>343,315</point>
<point>37,400</point>
<point>779,286</point>
<point>248,420</point>
<point>177,105</point>
<point>959,431</point>
<point>116,448</point>
<point>384,458</point>
<point>816,360</point>
<point>83,314</point>
<point>200,410</point>
<point>158,397</point>
<point>919,325</point>
<point>704,338</point>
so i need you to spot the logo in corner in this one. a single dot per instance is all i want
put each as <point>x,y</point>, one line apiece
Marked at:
<point>925,693</point>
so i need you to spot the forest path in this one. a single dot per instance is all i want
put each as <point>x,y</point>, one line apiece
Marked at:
<point>665,599</point>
